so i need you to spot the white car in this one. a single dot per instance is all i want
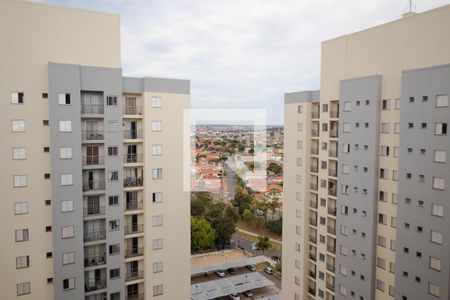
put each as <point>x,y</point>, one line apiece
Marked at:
<point>220,273</point>
<point>234,297</point>
<point>248,294</point>
<point>268,270</point>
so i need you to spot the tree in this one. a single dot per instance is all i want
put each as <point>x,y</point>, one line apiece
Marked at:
<point>248,216</point>
<point>200,203</point>
<point>275,226</point>
<point>262,206</point>
<point>278,267</point>
<point>273,201</point>
<point>223,220</point>
<point>275,168</point>
<point>263,243</point>
<point>241,148</point>
<point>242,200</point>
<point>202,235</point>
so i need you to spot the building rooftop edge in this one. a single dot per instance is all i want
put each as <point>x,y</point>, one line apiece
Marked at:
<point>302,96</point>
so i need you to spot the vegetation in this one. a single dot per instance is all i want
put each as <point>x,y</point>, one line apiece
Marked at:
<point>275,168</point>
<point>202,235</point>
<point>275,226</point>
<point>263,243</point>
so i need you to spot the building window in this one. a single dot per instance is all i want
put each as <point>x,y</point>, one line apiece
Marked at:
<point>19,153</point>
<point>440,129</point>
<point>114,225</point>
<point>381,241</point>
<point>68,284</point>
<point>157,220</point>
<point>380,285</point>
<point>156,149</point>
<point>23,288</point>
<point>114,249</point>
<point>157,197</point>
<point>395,175</point>
<point>438,183</point>
<point>67,232</point>
<point>20,180</point>
<point>113,200</point>
<point>347,106</point>
<point>65,153</point>
<point>111,100</point>
<point>299,109</point>
<point>396,149</point>
<point>442,101</point>
<point>22,262</point>
<point>435,263</point>
<point>68,258</point>
<point>114,273</point>
<point>113,150</point>
<point>346,127</point>
<point>17,98</point>
<point>437,210</point>
<point>158,267</point>
<point>113,176</point>
<point>384,150</point>
<point>157,173</point>
<point>156,102</point>
<point>157,244</point>
<point>156,126</point>
<point>18,125</point>
<point>381,263</point>
<point>21,235</point>
<point>300,127</point>
<point>66,179</point>
<point>299,144</point>
<point>346,148</point>
<point>157,290</point>
<point>64,99</point>
<point>386,104</point>
<point>385,127</point>
<point>114,296</point>
<point>65,126</point>
<point>440,156</point>
<point>433,289</point>
<point>396,128</point>
<point>342,290</point>
<point>436,237</point>
<point>20,208</point>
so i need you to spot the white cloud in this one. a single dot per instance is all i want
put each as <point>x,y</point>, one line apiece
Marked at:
<point>239,53</point>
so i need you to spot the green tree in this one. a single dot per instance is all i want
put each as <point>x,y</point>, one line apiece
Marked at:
<point>223,220</point>
<point>203,235</point>
<point>263,243</point>
<point>200,203</point>
<point>263,207</point>
<point>275,226</point>
<point>241,148</point>
<point>278,267</point>
<point>248,216</point>
<point>273,201</point>
<point>275,168</point>
<point>242,200</point>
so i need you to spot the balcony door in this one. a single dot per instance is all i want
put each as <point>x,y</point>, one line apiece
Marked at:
<point>93,205</point>
<point>132,153</point>
<point>92,155</point>
<point>130,106</point>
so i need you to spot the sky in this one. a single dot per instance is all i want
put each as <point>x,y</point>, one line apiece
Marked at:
<point>239,53</point>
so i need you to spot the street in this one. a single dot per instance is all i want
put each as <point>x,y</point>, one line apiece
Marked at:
<point>246,244</point>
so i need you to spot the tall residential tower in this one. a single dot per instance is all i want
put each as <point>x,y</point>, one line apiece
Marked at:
<point>93,205</point>
<point>366,198</point>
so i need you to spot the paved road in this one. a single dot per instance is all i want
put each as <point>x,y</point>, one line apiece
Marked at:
<point>229,181</point>
<point>247,245</point>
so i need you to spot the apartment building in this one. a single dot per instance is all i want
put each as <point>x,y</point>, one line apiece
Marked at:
<point>93,201</point>
<point>366,187</point>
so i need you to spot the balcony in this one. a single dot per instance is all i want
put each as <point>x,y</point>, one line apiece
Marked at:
<point>94,211</point>
<point>132,134</point>
<point>92,135</point>
<point>97,235</point>
<point>313,186</point>
<point>140,296</point>
<point>331,248</point>
<point>334,114</point>
<point>332,172</point>
<point>312,273</point>
<point>330,267</point>
<point>95,260</point>
<point>330,286</point>
<point>332,192</point>
<point>95,286</point>
<point>312,256</point>
<point>315,114</point>
<point>134,275</point>
<point>312,291</point>
<point>94,109</point>
<point>92,160</point>
<point>314,132</point>
<point>132,110</point>
<point>314,169</point>
<point>134,205</point>
<point>133,181</point>
<point>133,158</point>
<point>134,228</point>
<point>93,185</point>
<point>334,133</point>
<point>331,229</point>
<point>332,153</point>
<point>313,239</point>
<point>332,211</point>
<point>314,151</point>
<point>133,252</point>
<point>313,203</point>
<point>313,222</point>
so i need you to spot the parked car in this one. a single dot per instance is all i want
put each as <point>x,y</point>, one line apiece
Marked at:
<point>234,297</point>
<point>231,270</point>
<point>268,270</point>
<point>248,294</point>
<point>277,258</point>
<point>251,267</point>
<point>220,273</point>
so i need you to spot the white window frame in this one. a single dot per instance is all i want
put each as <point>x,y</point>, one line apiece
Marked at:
<point>157,220</point>
<point>21,208</point>
<point>157,244</point>
<point>156,149</point>
<point>437,210</point>
<point>436,237</point>
<point>17,98</point>
<point>22,261</point>
<point>346,127</point>
<point>347,106</point>
<point>23,288</point>
<point>66,179</point>
<point>158,267</point>
<point>65,153</point>
<point>67,232</point>
<point>18,125</point>
<point>62,99</point>
<point>156,101</point>
<point>156,126</point>
<point>158,197</point>
<point>157,174</point>
<point>442,100</point>
<point>71,284</point>
<point>22,235</point>
<point>68,258</point>
<point>158,290</point>
<point>439,183</point>
<point>66,205</point>
<point>440,156</point>
<point>65,126</point>
<point>19,153</point>
<point>20,181</point>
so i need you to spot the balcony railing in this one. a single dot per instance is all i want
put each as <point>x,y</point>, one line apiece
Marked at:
<point>313,239</point>
<point>132,134</point>
<point>313,186</point>
<point>330,286</point>
<point>133,181</point>
<point>312,291</point>
<point>331,248</point>
<point>133,158</point>
<point>313,221</point>
<point>334,114</point>
<point>133,252</point>
<point>97,109</point>
<point>314,169</point>
<point>332,211</point>
<point>332,153</point>
<point>134,275</point>
<point>140,296</point>
<point>332,172</point>
<point>332,192</point>
<point>134,228</point>
<point>97,235</point>
<point>330,267</point>
<point>315,132</point>
<point>313,203</point>
<point>331,229</point>
<point>94,211</point>
<point>89,160</point>
<point>312,256</point>
<point>95,260</point>
<point>92,135</point>
<point>132,110</point>
<point>134,205</point>
<point>315,114</point>
<point>314,150</point>
<point>334,133</point>
<point>93,185</point>
<point>312,273</point>
<point>95,286</point>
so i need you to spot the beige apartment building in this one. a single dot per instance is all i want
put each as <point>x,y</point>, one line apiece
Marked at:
<point>366,187</point>
<point>93,205</point>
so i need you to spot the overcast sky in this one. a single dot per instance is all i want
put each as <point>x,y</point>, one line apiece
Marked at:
<point>239,53</point>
